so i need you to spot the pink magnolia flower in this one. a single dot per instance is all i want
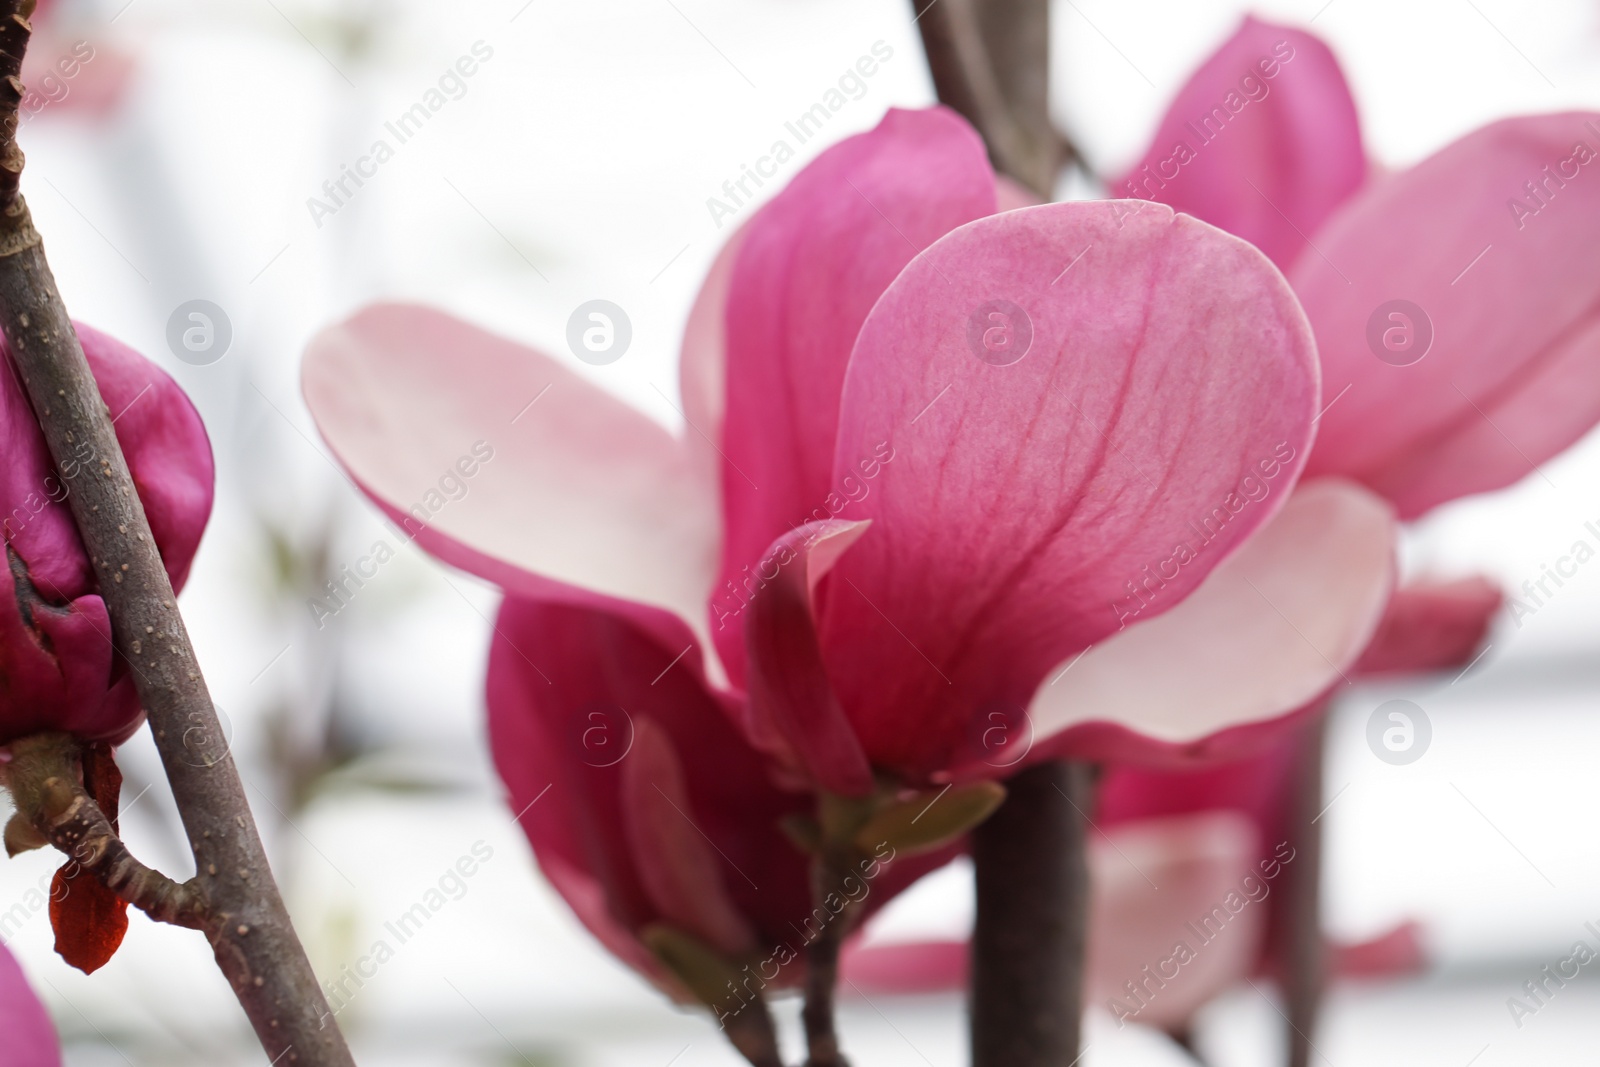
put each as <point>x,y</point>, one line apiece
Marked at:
<point>30,1037</point>
<point>912,530</point>
<point>56,658</point>
<point>932,453</point>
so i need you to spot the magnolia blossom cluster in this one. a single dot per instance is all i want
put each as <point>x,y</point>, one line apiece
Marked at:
<point>1125,473</point>
<point>1149,469</point>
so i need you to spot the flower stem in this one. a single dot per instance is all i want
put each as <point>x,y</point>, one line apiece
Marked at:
<point>828,872</point>
<point>244,916</point>
<point>1032,925</point>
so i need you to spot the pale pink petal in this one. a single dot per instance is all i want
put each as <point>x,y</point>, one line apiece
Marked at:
<point>1189,881</point>
<point>1273,627</point>
<point>1398,951</point>
<point>1155,884</point>
<point>500,461</point>
<point>1512,374</point>
<point>679,867</point>
<point>1010,195</point>
<point>1432,626</point>
<point>904,967</point>
<point>27,1037</point>
<point>791,710</point>
<point>67,75</point>
<point>1023,510</point>
<point>1263,141</point>
<point>811,265</point>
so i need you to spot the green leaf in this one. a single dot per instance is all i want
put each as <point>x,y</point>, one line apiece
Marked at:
<point>930,819</point>
<point>705,971</point>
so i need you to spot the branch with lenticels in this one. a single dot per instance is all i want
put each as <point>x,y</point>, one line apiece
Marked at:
<point>233,897</point>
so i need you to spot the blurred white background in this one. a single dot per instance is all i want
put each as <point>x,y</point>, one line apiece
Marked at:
<point>576,165</point>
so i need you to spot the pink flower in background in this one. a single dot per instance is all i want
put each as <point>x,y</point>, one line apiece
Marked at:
<point>1199,879</point>
<point>1263,140</point>
<point>57,664</point>
<point>1457,328</point>
<point>1453,302</point>
<point>67,72</point>
<point>1138,877</point>
<point>29,1037</point>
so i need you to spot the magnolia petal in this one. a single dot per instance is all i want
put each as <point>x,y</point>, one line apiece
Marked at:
<point>939,966</point>
<point>1010,195</point>
<point>1538,417</point>
<point>791,708</point>
<point>703,367</point>
<point>1272,628</point>
<point>56,670</point>
<point>1158,883</point>
<point>1512,372</point>
<point>811,265</point>
<point>680,869</point>
<point>30,1037</point>
<point>1263,141</point>
<point>1170,374</point>
<point>499,460</point>
<point>568,688</point>
<point>162,438</point>
<point>1432,626</point>
<point>904,967</point>
<point>1395,952</point>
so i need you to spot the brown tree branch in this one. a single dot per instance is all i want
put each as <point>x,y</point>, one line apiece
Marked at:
<point>1031,865</point>
<point>990,61</point>
<point>1303,948</point>
<point>1016,41</point>
<point>245,919</point>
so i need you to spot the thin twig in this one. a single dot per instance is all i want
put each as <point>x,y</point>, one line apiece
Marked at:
<point>45,782</point>
<point>246,922</point>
